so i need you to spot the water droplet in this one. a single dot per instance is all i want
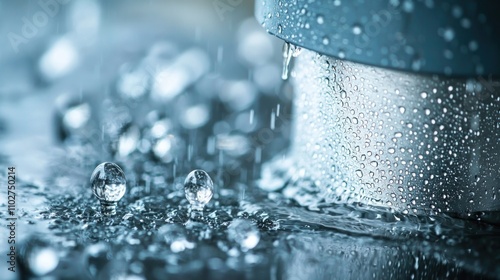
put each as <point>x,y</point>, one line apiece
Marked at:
<point>416,63</point>
<point>402,110</point>
<point>457,11</point>
<point>326,41</point>
<point>289,51</point>
<point>244,233</point>
<point>60,59</point>
<point>473,46</point>
<point>337,3</point>
<point>466,23</point>
<point>73,117</point>
<point>438,229</point>
<point>320,19</point>
<point>423,94</point>
<point>408,6</point>
<point>133,83</point>
<point>341,54</point>
<point>356,29</point>
<point>128,140</point>
<point>359,173</point>
<point>38,256</point>
<point>198,188</point>
<point>195,116</point>
<point>448,34</point>
<point>109,185</point>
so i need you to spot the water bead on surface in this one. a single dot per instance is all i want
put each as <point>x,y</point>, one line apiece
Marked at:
<point>109,186</point>
<point>199,189</point>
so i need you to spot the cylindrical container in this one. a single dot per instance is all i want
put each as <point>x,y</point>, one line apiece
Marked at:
<point>397,102</point>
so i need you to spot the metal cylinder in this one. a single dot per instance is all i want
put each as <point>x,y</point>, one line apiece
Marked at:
<point>411,142</point>
<point>449,37</point>
<point>411,118</point>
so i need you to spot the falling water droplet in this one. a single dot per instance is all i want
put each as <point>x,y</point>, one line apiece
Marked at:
<point>109,185</point>
<point>251,116</point>
<point>289,51</point>
<point>198,188</point>
<point>273,121</point>
<point>244,233</point>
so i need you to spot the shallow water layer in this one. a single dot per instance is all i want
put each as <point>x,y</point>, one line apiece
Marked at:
<point>155,234</point>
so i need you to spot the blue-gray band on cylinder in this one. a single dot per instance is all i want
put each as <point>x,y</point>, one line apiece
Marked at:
<point>450,37</point>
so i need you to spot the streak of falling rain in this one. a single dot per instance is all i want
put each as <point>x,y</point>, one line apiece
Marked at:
<point>251,116</point>
<point>211,145</point>
<point>273,120</point>
<point>278,107</point>
<point>174,170</point>
<point>287,57</point>
<point>289,51</point>
<point>242,193</point>
<point>190,152</point>
<point>258,154</point>
<point>147,184</point>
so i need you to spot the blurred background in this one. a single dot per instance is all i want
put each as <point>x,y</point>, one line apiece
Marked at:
<point>203,65</point>
<point>159,87</point>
